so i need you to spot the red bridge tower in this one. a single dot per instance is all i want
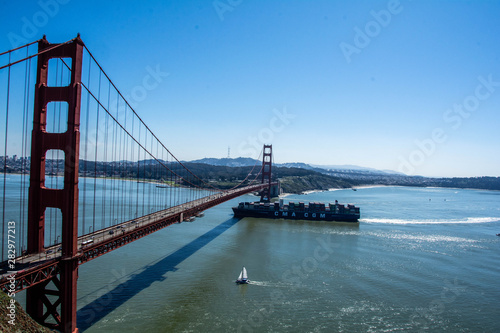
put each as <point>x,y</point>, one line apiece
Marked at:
<point>42,302</point>
<point>265,195</point>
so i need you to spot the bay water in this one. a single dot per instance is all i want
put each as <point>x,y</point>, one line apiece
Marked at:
<point>421,259</point>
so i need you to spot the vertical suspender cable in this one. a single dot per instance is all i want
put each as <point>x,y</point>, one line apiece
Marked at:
<point>168,175</point>
<point>152,168</point>
<point>122,171</point>
<point>157,181</point>
<point>117,168</point>
<point>144,175</point>
<point>21,194</point>
<point>120,166</point>
<point>150,179</point>
<point>177,187</point>
<point>95,155</point>
<point>172,187</point>
<point>115,180</point>
<point>138,169</point>
<point>85,162</point>
<point>5,157</point>
<point>125,168</point>
<point>124,182</point>
<point>131,201</point>
<point>105,159</point>
<point>24,148</point>
<point>120,158</point>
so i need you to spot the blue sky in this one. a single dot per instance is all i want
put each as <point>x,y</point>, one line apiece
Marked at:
<point>412,86</point>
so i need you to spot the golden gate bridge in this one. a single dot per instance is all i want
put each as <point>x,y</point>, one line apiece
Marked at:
<point>92,176</point>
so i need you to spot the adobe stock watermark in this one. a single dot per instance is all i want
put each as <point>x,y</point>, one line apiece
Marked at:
<point>454,117</point>
<point>30,27</point>
<point>449,294</point>
<point>221,7</point>
<point>254,320</point>
<point>104,297</point>
<point>373,28</point>
<point>150,81</point>
<point>253,144</point>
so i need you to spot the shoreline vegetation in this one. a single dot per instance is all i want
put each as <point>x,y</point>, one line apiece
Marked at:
<point>22,322</point>
<point>318,183</point>
<point>293,180</point>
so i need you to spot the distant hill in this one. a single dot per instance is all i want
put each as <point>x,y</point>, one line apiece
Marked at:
<point>246,161</point>
<point>356,169</point>
<point>297,165</point>
<point>229,162</point>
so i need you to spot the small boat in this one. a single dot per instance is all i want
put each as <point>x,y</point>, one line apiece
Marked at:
<point>243,278</point>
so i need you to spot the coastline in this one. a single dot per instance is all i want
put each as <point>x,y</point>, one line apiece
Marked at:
<point>284,195</point>
<point>375,186</point>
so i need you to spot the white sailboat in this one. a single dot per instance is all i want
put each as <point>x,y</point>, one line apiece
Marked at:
<point>243,278</point>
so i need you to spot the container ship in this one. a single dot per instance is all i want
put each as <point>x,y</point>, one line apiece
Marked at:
<point>298,211</point>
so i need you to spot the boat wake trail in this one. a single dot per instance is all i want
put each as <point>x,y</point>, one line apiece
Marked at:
<point>434,221</point>
<point>268,284</point>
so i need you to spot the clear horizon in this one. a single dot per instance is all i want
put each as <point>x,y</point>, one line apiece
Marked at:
<point>409,86</point>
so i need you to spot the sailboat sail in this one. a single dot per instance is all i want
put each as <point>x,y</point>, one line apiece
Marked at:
<point>243,278</point>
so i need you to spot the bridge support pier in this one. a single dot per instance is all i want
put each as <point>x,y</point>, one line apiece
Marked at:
<point>68,278</point>
<point>43,303</point>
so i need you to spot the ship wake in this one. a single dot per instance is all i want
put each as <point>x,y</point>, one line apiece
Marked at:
<point>468,220</point>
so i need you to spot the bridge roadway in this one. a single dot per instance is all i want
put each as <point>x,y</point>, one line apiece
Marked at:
<point>38,267</point>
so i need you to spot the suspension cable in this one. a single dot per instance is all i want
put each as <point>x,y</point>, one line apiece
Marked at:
<point>20,47</point>
<point>248,175</point>
<point>146,126</point>
<point>149,130</point>
<point>140,145</point>
<point>10,64</point>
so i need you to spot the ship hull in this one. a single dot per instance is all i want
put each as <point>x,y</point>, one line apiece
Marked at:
<point>296,215</point>
<point>242,281</point>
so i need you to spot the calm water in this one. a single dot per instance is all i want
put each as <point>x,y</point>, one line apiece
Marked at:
<point>421,259</point>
